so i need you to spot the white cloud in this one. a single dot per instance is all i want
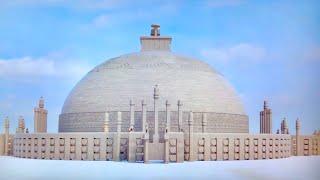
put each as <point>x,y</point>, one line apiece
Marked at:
<point>243,52</point>
<point>223,3</point>
<point>50,66</point>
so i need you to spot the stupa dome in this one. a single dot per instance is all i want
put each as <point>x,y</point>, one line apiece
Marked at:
<point>110,86</point>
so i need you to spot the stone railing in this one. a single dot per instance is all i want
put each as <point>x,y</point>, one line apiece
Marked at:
<point>231,146</point>
<point>308,145</point>
<point>80,146</point>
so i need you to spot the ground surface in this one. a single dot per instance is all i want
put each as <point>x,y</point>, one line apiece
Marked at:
<point>306,168</point>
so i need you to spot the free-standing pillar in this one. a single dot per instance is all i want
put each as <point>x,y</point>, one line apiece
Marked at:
<point>106,122</point>
<point>191,154</point>
<point>168,115</point>
<point>156,122</point>
<point>204,123</point>
<point>146,148</point>
<point>166,148</point>
<point>297,137</point>
<point>179,116</point>
<point>144,116</point>
<point>6,137</point>
<point>118,136</point>
<point>131,114</point>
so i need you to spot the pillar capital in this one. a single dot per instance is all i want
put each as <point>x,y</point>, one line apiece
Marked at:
<point>131,103</point>
<point>143,103</point>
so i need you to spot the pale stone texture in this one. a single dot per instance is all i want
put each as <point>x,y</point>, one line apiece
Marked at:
<point>111,85</point>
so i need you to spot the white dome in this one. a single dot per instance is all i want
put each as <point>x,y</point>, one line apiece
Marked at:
<point>111,85</point>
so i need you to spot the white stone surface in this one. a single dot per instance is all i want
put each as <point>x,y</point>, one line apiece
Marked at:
<point>111,85</point>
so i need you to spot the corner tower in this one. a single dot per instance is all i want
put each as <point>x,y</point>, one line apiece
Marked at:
<point>40,118</point>
<point>266,120</point>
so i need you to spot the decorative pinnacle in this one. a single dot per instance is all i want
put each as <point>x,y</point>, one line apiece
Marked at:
<point>297,124</point>
<point>265,105</point>
<point>156,92</point>
<point>7,123</point>
<point>155,31</point>
<point>41,103</point>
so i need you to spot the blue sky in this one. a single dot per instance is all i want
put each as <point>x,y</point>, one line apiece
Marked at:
<point>268,50</point>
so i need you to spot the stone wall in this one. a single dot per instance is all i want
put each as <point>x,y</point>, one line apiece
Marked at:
<point>216,147</point>
<point>76,146</point>
<point>2,142</point>
<point>309,145</point>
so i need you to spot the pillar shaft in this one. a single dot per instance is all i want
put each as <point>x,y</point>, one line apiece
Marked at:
<point>204,123</point>
<point>144,116</point>
<point>191,154</point>
<point>297,137</point>
<point>106,122</point>
<point>179,116</point>
<point>156,122</point>
<point>168,115</point>
<point>131,113</point>
<point>146,148</point>
<point>6,137</point>
<point>118,136</point>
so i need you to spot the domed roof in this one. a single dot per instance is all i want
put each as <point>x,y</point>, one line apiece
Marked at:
<point>111,85</point>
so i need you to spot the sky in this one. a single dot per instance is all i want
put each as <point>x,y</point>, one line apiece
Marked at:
<point>268,50</point>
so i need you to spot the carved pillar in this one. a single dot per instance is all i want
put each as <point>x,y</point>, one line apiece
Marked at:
<point>156,122</point>
<point>106,122</point>
<point>118,136</point>
<point>191,154</point>
<point>146,147</point>
<point>6,137</point>
<point>179,116</point>
<point>144,116</point>
<point>166,148</point>
<point>297,137</point>
<point>204,123</point>
<point>168,115</point>
<point>131,114</point>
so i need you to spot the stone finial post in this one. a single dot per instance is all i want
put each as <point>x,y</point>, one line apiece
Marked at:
<point>191,154</point>
<point>179,116</point>
<point>118,137</point>
<point>204,123</point>
<point>106,122</point>
<point>131,113</point>
<point>144,116</point>
<point>27,130</point>
<point>6,137</point>
<point>168,115</point>
<point>278,131</point>
<point>297,137</point>
<point>156,122</point>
